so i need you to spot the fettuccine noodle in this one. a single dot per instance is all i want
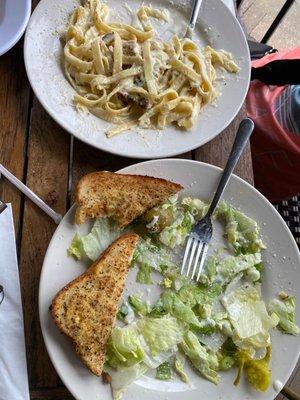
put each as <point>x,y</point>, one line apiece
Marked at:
<point>126,76</point>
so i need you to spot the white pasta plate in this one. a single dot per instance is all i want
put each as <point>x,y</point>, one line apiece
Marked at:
<point>281,259</point>
<point>217,27</point>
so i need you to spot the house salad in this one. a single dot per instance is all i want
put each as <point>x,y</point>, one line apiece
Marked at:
<point>215,325</point>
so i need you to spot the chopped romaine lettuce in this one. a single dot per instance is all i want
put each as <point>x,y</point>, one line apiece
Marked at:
<point>226,363</point>
<point>195,206</point>
<point>140,307</point>
<point>125,313</point>
<point>76,247</point>
<point>231,266</point>
<point>241,231</point>
<point>210,322</point>
<point>193,294</point>
<point>153,361</point>
<point>225,327</point>
<point>177,280</point>
<point>163,371</point>
<point>204,361</point>
<point>179,367</point>
<point>103,233</point>
<point>227,355</point>
<point>204,310</point>
<point>158,310</point>
<point>124,377</point>
<point>144,274</point>
<point>210,270</point>
<point>175,234</point>
<point>285,310</point>
<point>147,253</point>
<point>174,306</point>
<point>229,348</point>
<point>161,334</point>
<point>249,317</point>
<point>213,341</point>
<point>206,326</point>
<point>124,348</point>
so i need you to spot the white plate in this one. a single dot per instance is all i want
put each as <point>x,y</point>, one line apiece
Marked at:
<point>281,261</point>
<point>14,16</point>
<point>217,26</point>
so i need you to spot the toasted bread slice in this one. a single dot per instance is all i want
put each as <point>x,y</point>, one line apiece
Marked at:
<point>85,310</point>
<point>123,197</point>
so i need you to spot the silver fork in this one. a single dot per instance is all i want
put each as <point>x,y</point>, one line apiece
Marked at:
<point>200,236</point>
<point>193,18</point>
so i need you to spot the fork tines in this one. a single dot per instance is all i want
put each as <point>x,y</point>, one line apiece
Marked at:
<point>194,257</point>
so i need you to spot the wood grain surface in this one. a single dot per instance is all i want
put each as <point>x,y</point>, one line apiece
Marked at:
<point>14,116</point>
<point>37,151</point>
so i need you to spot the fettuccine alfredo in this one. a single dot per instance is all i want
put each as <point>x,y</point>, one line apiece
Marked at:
<point>123,74</point>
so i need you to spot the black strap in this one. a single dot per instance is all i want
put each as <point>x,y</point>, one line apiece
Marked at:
<point>258,50</point>
<point>279,73</point>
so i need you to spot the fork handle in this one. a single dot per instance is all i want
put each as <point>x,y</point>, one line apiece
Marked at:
<point>243,134</point>
<point>194,14</point>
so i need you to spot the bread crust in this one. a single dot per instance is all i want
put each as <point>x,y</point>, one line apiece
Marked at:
<point>121,196</point>
<point>85,309</point>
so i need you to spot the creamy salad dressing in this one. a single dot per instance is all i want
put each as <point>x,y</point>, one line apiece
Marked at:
<point>278,385</point>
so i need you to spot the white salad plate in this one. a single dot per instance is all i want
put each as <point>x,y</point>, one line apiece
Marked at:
<point>217,27</point>
<point>14,16</point>
<point>281,259</point>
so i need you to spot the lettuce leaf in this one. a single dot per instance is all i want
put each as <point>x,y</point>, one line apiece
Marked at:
<point>144,274</point>
<point>231,266</point>
<point>124,348</point>
<point>174,306</point>
<point>103,233</point>
<point>76,248</point>
<point>175,234</point>
<point>124,377</point>
<point>196,207</point>
<point>210,269</point>
<point>125,313</point>
<point>285,310</point>
<point>150,254</point>
<point>163,371</point>
<point>227,355</point>
<point>179,367</point>
<point>161,334</point>
<point>158,310</point>
<point>241,231</point>
<point>140,307</point>
<point>199,294</point>
<point>204,361</point>
<point>249,317</point>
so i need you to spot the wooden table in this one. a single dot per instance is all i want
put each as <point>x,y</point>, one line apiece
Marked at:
<point>35,149</point>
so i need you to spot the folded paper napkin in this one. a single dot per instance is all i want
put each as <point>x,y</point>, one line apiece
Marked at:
<point>13,368</point>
